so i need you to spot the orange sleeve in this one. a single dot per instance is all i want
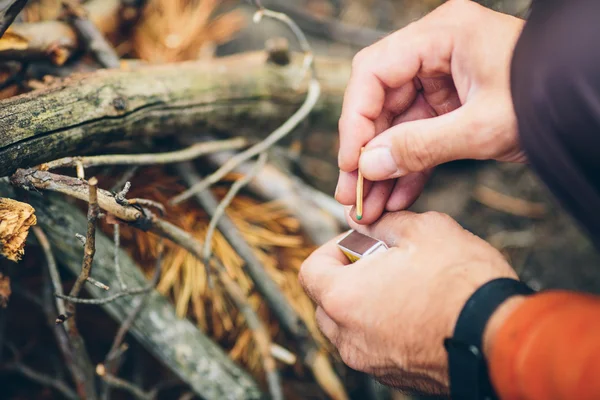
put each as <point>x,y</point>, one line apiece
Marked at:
<point>549,348</point>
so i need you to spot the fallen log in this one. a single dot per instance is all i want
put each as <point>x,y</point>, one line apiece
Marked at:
<point>175,342</point>
<point>243,94</point>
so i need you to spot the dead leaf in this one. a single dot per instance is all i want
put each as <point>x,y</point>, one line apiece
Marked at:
<point>15,220</point>
<point>13,41</point>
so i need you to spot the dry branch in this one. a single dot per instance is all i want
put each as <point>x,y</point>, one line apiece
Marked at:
<point>93,40</point>
<point>320,216</point>
<point>186,154</point>
<point>177,343</point>
<point>80,114</point>
<point>509,204</point>
<point>9,11</point>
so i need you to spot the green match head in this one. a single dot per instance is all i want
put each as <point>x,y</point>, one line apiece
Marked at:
<point>358,217</point>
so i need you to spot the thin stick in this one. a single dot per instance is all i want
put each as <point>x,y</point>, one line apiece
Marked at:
<point>97,283</point>
<point>116,350</point>
<point>52,268</point>
<point>258,329</point>
<point>187,154</point>
<point>117,240</point>
<point>89,250</point>
<point>9,13</point>
<point>105,300</point>
<point>43,379</point>
<point>235,188</point>
<point>119,383</point>
<point>312,96</point>
<point>314,90</point>
<point>359,193</point>
<point>92,38</point>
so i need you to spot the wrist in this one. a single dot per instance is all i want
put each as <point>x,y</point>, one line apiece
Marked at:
<point>496,321</point>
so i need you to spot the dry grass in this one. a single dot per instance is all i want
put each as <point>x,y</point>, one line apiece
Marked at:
<point>267,227</point>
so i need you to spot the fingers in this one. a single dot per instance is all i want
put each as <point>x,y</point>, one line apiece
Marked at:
<point>374,202</point>
<point>407,190</point>
<point>327,326</point>
<point>319,271</point>
<point>345,192</point>
<point>390,228</point>
<point>387,65</point>
<point>416,146</point>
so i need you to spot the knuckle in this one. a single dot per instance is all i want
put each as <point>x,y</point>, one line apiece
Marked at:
<point>436,218</point>
<point>351,357</point>
<point>413,151</point>
<point>336,302</point>
<point>359,58</point>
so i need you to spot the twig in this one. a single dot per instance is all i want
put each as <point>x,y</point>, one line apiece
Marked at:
<point>105,300</point>
<point>126,325</point>
<point>282,354</point>
<point>259,331</point>
<point>314,91</point>
<point>320,215</point>
<point>43,180</point>
<point>89,251</point>
<point>9,13</point>
<point>80,170</point>
<point>116,349</point>
<point>81,238</point>
<point>91,37</point>
<point>235,188</point>
<point>117,240</point>
<point>147,203</point>
<point>72,359</point>
<point>119,383</point>
<point>509,204</point>
<point>97,283</point>
<point>187,154</point>
<point>43,379</point>
<point>52,268</point>
<point>127,176</point>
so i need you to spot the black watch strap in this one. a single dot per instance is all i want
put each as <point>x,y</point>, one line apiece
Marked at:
<point>469,378</point>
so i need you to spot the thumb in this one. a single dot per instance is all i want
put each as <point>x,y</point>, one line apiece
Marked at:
<point>416,146</point>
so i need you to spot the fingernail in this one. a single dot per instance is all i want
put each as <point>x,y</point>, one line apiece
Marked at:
<point>378,163</point>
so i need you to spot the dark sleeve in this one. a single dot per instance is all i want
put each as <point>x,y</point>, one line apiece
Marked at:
<point>555,83</point>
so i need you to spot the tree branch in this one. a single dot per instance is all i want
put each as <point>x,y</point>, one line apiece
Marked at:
<point>189,153</point>
<point>9,11</point>
<point>226,93</point>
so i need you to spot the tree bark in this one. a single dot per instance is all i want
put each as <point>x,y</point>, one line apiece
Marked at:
<point>176,342</point>
<point>80,114</point>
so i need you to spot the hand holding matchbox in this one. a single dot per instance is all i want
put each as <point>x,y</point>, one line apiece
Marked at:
<point>355,245</point>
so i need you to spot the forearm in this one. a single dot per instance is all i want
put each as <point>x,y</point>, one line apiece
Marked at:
<point>547,348</point>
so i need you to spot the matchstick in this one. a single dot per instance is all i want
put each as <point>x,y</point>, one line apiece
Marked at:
<point>359,193</point>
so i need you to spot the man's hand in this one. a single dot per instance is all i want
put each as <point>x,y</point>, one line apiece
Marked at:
<point>435,91</point>
<point>389,313</point>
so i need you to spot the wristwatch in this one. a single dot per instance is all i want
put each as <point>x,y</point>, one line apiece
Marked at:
<point>469,378</point>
